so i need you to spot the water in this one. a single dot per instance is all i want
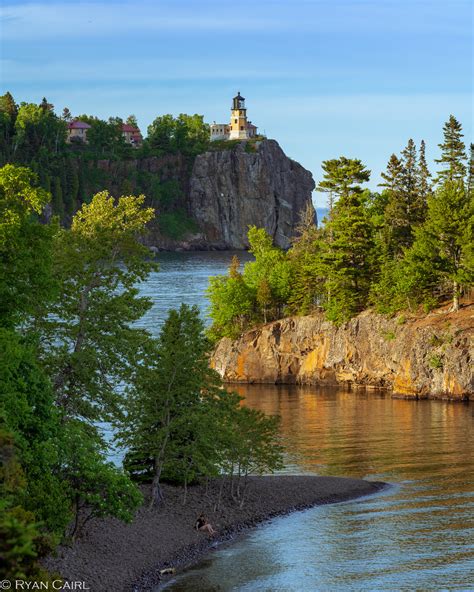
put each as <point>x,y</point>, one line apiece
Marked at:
<point>417,535</point>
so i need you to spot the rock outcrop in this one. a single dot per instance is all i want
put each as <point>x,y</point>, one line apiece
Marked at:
<point>214,197</point>
<point>250,184</point>
<point>428,357</point>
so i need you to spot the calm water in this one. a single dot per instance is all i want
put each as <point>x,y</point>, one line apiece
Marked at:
<point>418,535</point>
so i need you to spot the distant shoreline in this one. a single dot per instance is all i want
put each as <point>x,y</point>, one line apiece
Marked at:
<point>112,556</point>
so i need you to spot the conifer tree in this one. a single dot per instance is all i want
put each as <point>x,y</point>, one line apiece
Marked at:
<point>424,175</point>
<point>173,389</point>
<point>442,251</point>
<point>470,171</point>
<point>393,175</point>
<point>453,153</point>
<point>347,258</point>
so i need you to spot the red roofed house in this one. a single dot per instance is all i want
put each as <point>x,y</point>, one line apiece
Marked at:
<point>77,131</point>
<point>132,135</point>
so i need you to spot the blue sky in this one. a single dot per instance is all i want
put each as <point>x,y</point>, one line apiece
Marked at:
<point>324,77</point>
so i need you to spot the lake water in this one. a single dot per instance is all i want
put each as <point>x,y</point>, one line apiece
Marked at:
<point>417,535</point>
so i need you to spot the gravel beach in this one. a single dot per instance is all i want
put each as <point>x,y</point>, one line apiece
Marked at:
<point>113,557</point>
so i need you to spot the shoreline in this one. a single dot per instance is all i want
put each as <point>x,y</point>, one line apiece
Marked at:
<point>113,556</point>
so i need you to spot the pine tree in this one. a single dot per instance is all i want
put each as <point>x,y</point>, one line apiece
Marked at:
<point>470,171</point>
<point>171,407</point>
<point>393,175</point>
<point>347,258</point>
<point>423,176</point>
<point>442,251</point>
<point>453,153</point>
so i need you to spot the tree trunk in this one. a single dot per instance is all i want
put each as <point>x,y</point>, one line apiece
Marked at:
<point>156,492</point>
<point>455,305</point>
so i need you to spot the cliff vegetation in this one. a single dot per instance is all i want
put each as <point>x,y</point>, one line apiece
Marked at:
<point>204,194</point>
<point>348,289</point>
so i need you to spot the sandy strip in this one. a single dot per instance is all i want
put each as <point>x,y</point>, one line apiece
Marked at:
<point>114,557</point>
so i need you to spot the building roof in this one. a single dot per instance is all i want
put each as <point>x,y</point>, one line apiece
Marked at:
<point>77,124</point>
<point>241,98</point>
<point>130,128</point>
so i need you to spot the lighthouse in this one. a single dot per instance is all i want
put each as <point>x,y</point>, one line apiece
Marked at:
<point>239,128</point>
<point>238,119</point>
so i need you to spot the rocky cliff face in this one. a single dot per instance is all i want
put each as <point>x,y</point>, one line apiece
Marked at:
<point>251,184</point>
<point>216,197</point>
<point>429,357</point>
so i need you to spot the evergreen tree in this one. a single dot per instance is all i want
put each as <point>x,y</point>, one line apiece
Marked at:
<point>347,257</point>
<point>173,389</point>
<point>342,177</point>
<point>406,205</point>
<point>423,181</point>
<point>446,238</point>
<point>453,153</point>
<point>470,171</point>
<point>393,175</point>
<point>305,260</point>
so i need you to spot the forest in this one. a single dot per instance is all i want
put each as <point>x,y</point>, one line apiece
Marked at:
<point>407,247</point>
<point>33,135</point>
<point>72,359</point>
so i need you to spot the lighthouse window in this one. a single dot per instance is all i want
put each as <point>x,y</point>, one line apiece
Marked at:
<point>235,120</point>
<point>241,127</point>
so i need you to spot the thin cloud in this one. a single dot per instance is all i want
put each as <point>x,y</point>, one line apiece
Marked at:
<point>44,20</point>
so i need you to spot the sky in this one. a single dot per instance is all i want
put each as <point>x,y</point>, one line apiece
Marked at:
<point>325,78</point>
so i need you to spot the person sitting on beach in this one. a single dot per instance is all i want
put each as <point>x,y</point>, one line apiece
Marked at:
<point>203,525</point>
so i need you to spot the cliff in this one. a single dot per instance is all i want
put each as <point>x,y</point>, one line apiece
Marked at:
<point>209,202</point>
<point>251,184</point>
<point>424,357</point>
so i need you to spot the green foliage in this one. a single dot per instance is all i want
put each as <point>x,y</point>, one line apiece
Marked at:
<point>187,134</point>
<point>232,303</point>
<point>258,294</point>
<point>64,344</point>
<point>181,424</point>
<point>89,343</point>
<point>453,153</point>
<point>177,224</point>
<point>347,256</point>
<point>25,246</point>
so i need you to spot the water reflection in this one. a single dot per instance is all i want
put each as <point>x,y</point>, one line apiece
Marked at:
<point>419,535</point>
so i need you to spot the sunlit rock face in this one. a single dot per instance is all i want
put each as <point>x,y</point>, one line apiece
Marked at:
<point>429,357</point>
<point>250,184</point>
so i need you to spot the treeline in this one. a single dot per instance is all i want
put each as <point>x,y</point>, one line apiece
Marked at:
<point>410,245</point>
<point>72,358</point>
<point>33,135</point>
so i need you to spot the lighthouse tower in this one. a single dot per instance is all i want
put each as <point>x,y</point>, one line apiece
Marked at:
<point>238,119</point>
<point>239,128</point>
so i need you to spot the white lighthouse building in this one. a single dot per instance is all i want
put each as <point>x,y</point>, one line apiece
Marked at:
<point>239,128</point>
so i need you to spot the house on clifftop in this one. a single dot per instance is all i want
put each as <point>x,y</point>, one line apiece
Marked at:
<point>77,131</point>
<point>239,128</point>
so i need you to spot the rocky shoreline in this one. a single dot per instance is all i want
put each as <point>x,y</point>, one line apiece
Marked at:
<point>112,556</point>
<point>416,356</point>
